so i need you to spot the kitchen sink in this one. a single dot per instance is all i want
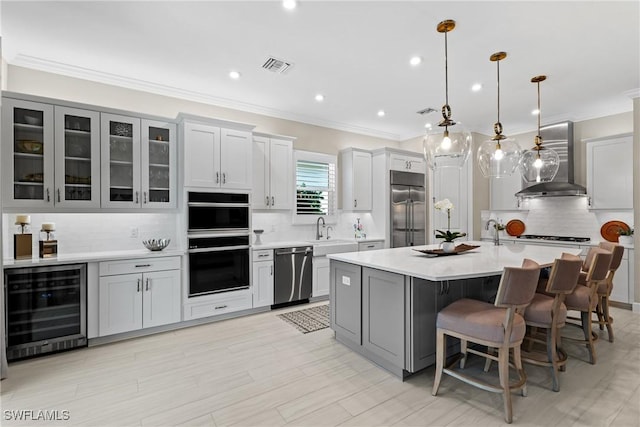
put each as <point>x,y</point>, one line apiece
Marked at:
<point>333,246</point>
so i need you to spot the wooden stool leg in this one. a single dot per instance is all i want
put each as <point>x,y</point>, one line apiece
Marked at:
<point>607,318</point>
<point>552,356</point>
<point>588,335</point>
<point>599,312</point>
<point>440,346</point>
<point>487,362</point>
<point>463,350</point>
<point>517,361</point>
<point>503,369</point>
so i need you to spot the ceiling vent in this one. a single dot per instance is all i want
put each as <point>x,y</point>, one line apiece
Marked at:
<point>427,110</point>
<point>276,65</point>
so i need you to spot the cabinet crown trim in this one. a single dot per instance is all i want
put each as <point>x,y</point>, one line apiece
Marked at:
<point>192,118</point>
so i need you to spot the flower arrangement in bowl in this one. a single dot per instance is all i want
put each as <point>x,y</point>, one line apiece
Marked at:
<point>449,236</point>
<point>625,236</point>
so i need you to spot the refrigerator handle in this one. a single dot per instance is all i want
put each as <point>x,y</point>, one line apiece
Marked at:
<point>406,223</point>
<point>411,226</point>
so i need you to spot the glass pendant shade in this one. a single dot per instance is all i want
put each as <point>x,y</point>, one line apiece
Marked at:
<point>539,165</point>
<point>447,146</point>
<point>500,155</point>
<point>449,143</point>
<point>498,159</point>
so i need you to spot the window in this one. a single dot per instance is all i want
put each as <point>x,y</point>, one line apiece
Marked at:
<point>315,186</point>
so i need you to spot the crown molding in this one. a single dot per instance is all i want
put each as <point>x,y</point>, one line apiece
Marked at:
<point>55,67</point>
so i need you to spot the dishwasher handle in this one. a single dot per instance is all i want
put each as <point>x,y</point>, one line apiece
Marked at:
<point>306,251</point>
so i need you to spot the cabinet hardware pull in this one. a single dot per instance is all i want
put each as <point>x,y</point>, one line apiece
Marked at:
<point>139,280</point>
<point>48,198</point>
<point>371,246</point>
<point>273,200</point>
<point>217,177</point>
<point>224,177</point>
<point>137,198</point>
<point>58,195</point>
<point>267,200</point>
<point>143,265</point>
<point>147,283</point>
<point>144,197</point>
<point>272,270</point>
<point>218,307</point>
<point>263,255</point>
<point>355,203</point>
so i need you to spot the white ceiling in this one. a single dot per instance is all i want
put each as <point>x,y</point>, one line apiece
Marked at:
<point>355,53</point>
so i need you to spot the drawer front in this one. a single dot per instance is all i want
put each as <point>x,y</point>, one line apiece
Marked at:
<point>263,255</point>
<point>370,246</point>
<point>110,268</point>
<point>219,304</point>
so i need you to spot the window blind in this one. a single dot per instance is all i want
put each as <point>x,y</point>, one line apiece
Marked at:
<point>315,188</point>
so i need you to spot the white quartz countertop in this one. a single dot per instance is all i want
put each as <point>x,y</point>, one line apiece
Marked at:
<point>89,257</point>
<point>295,243</point>
<point>512,239</point>
<point>487,260</point>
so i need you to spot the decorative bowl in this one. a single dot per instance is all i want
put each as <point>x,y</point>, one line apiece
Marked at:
<point>30,146</point>
<point>156,244</point>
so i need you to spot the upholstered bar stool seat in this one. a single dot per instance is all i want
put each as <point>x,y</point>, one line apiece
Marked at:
<point>584,298</point>
<point>496,325</point>
<point>481,320</point>
<point>549,313</point>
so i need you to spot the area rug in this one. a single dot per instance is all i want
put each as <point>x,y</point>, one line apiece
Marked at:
<point>309,319</point>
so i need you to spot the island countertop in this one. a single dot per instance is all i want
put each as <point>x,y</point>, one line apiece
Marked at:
<point>486,260</point>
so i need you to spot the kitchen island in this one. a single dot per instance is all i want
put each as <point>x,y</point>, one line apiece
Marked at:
<point>384,303</point>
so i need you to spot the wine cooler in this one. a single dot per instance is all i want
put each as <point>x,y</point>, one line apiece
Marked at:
<point>46,309</point>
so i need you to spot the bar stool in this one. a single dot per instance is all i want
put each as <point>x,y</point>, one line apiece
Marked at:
<point>549,313</point>
<point>496,325</point>
<point>584,298</point>
<point>604,289</point>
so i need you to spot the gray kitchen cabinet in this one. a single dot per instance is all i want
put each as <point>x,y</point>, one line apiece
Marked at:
<point>355,169</point>
<point>273,172</point>
<point>345,300</point>
<point>217,154</point>
<point>610,172</point>
<point>138,293</point>
<point>370,245</point>
<point>383,321</point>
<point>51,155</point>
<point>262,280</point>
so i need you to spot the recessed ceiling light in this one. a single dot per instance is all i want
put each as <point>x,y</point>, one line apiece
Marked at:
<point>381,113</point>
<point>289,4</point>
<point>234,75</point>
<point>476,87</point>
<point>416,60</point>
<point>427,125</point>
<point>535,112</point>
<point>319,97</point>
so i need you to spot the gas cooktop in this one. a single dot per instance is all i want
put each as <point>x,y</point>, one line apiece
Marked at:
<point>555,238</point>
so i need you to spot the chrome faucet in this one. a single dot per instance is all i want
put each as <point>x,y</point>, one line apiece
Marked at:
<point>329,228</point>
<point>318,230</point>
<point>496,236</point>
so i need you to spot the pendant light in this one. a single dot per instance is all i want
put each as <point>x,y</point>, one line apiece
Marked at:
<point>500,155</point>
<point>539,164</point>
<point>449,143</point>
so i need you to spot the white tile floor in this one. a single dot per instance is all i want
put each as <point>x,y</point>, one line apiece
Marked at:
<point>259,370</point>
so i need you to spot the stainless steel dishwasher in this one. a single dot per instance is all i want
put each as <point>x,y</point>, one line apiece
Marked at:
<point>292,281</point>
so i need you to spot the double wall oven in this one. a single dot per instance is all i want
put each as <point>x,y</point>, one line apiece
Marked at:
<point>219,245</point>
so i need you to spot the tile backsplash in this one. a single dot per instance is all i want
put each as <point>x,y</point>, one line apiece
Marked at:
<point>560,216</point>
<point>97,232</point>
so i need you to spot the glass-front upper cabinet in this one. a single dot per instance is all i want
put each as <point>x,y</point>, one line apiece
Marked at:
<point>27,153</point>
<point>77,165</point>
<point>158,169</point>
<point>120,161</point>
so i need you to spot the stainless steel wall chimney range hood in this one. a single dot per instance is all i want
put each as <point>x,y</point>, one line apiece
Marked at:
<point>559,137</point>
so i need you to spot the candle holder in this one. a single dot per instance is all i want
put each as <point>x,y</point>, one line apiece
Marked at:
<point>22,242</point>
<point>48,244</point>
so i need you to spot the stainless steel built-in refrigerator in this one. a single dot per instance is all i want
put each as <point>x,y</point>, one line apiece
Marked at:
<point>408,209</point>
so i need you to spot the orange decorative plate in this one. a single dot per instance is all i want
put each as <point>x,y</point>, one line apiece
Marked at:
<point>609,230</point>
<point>515,227</point>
